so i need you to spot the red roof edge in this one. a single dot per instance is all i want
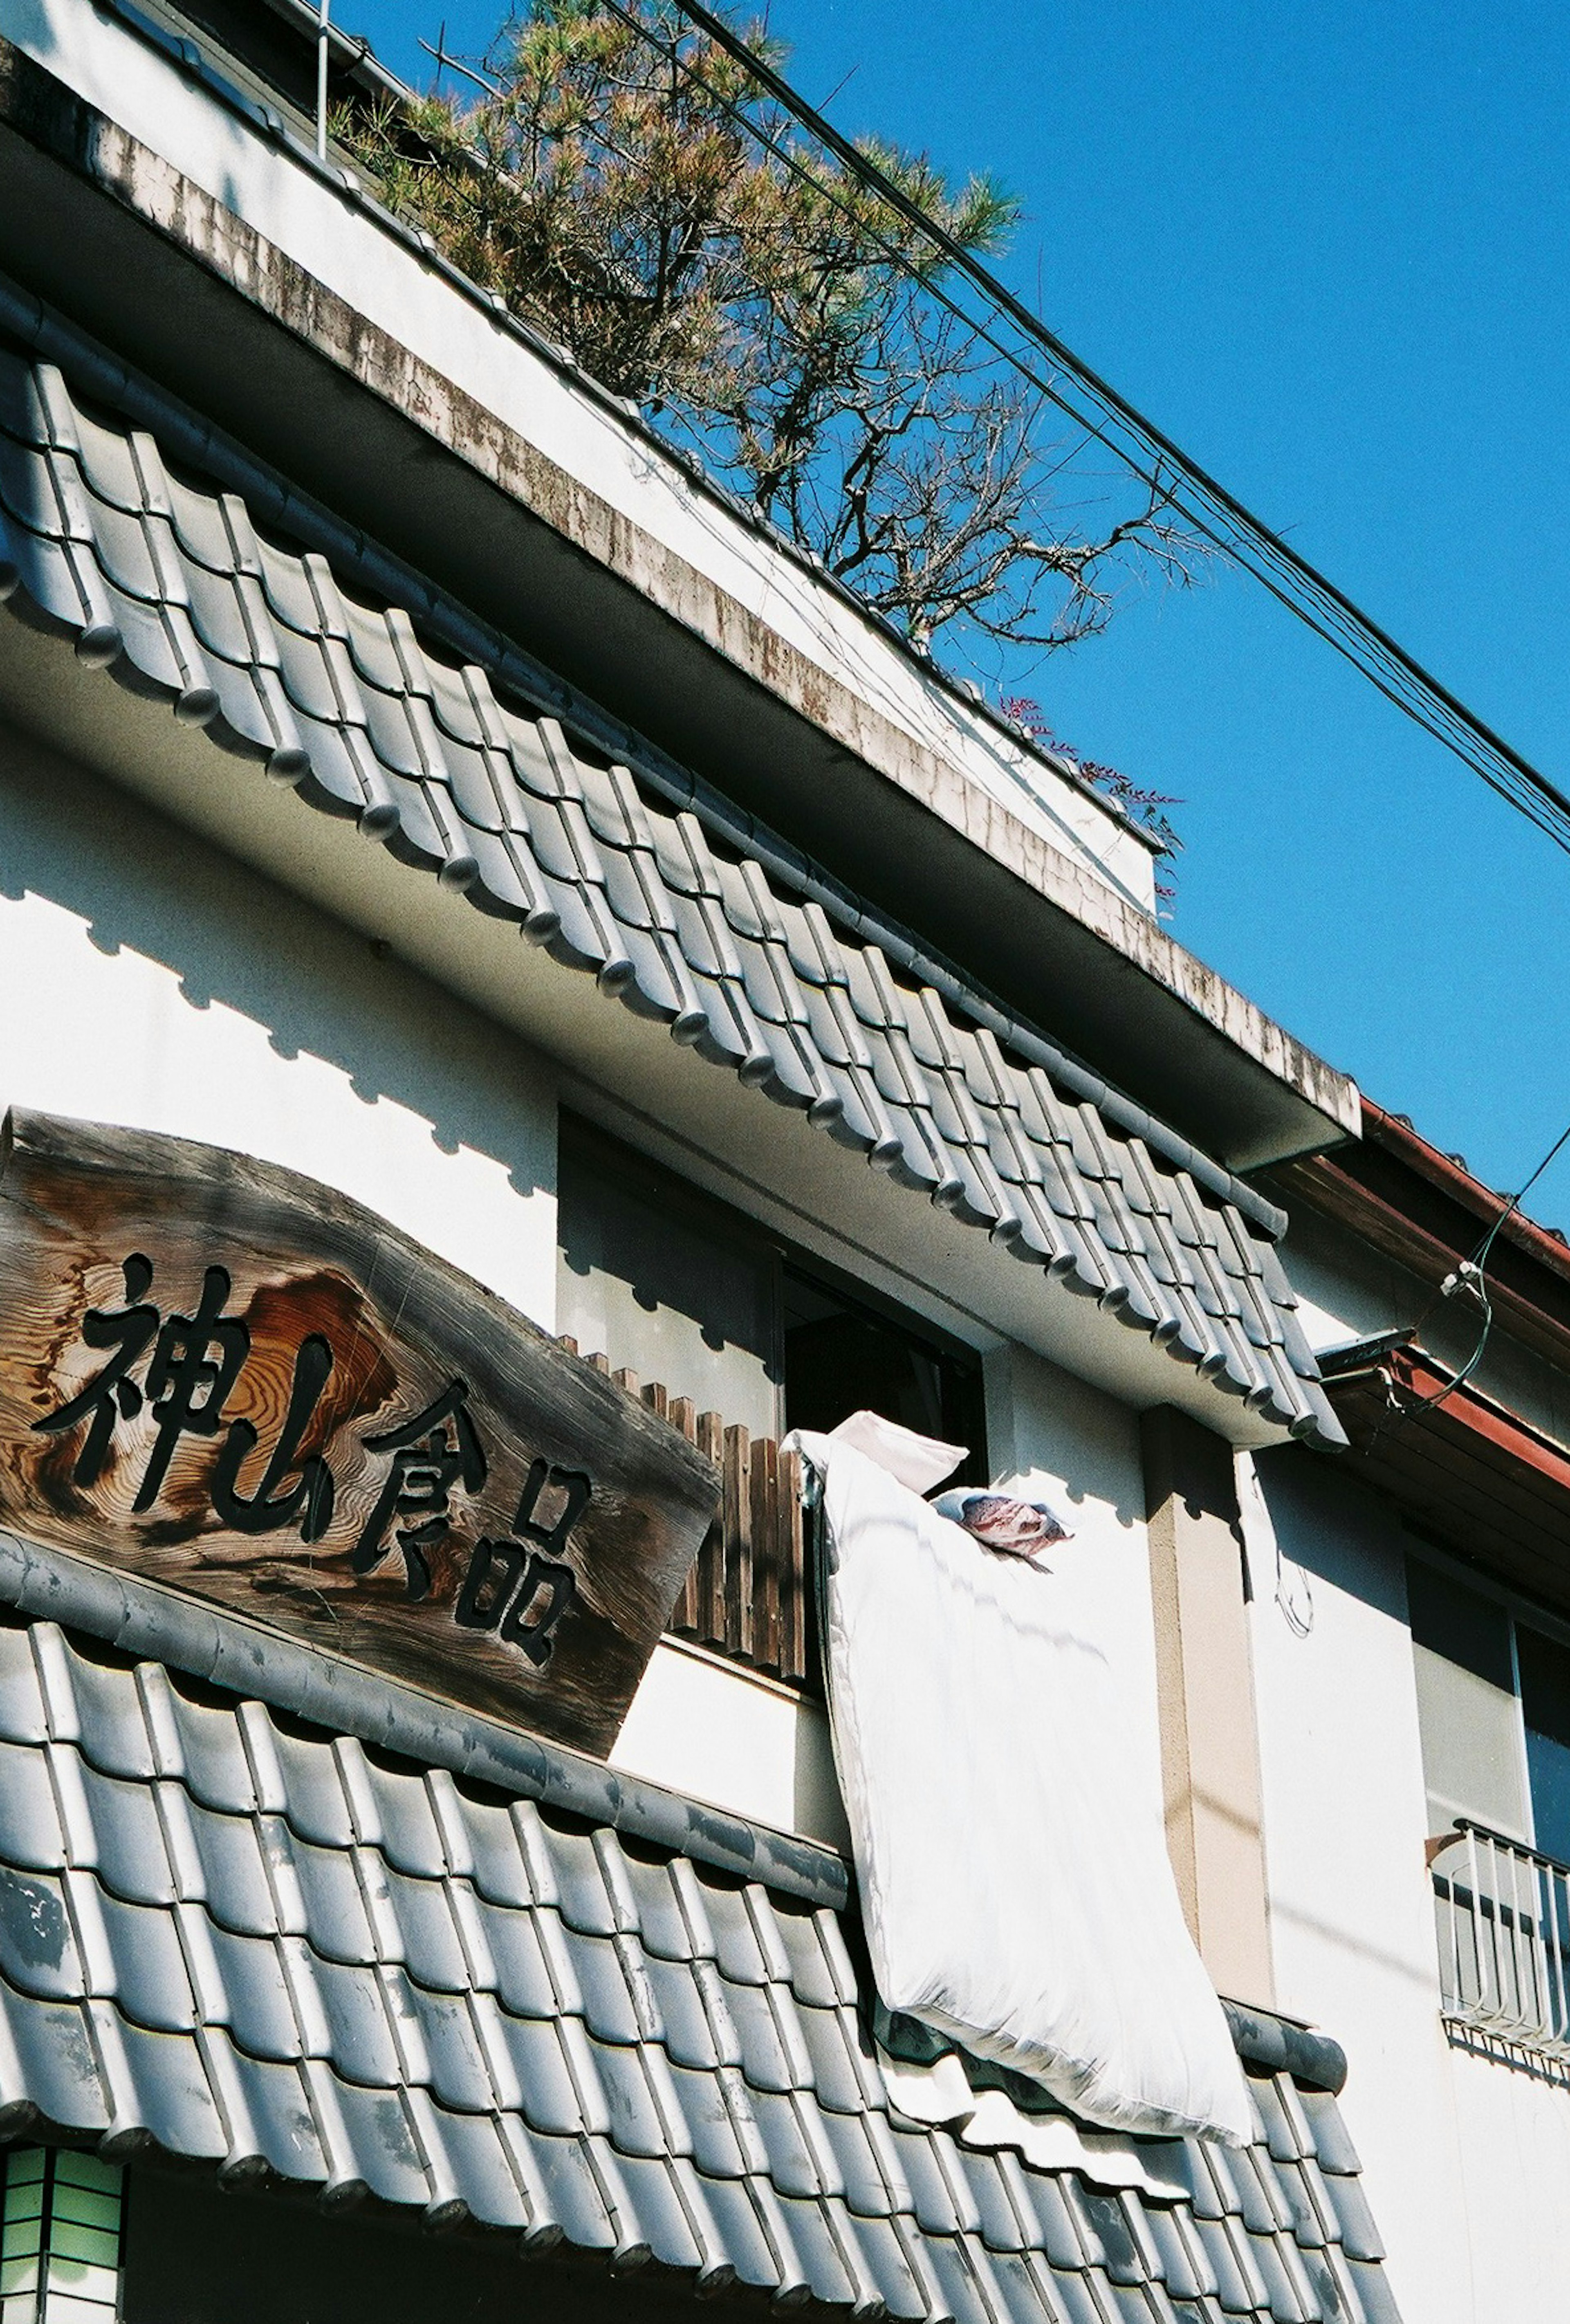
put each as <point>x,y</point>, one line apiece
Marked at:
<point>1443,1172</point>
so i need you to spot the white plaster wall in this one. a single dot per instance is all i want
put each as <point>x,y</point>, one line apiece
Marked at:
<point>1515,2150</point>
<point>147,980</point>
<point>704,1729</point>
<point>345,245</point>
<point>1352,1922</point>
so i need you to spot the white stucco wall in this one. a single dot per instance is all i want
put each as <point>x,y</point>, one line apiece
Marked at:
<point>712,1732</point>
<point>149,981</point>
<point>1515,2151</point>
<point>1467,2159</point>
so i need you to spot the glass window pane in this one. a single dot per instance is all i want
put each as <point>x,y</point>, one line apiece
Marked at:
<point>74,2169</point>
<point>86,2207</point>
<point>1461,1624</point>
<point>100,2246</point>
<point>664,1280</point>
<point>1467,1713</point>
<point>56,2269</point>
<point>1545,1666</point>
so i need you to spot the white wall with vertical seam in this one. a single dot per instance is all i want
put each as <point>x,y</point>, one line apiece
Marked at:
<point>1352,1917</point>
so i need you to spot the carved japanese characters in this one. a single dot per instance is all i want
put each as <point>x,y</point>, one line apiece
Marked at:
<point>237,1383</point>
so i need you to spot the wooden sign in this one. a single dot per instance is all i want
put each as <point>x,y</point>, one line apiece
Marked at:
<point>233,1381</point>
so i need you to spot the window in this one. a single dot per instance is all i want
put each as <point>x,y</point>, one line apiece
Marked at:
<point>1544,1674</point>
<point>673,1285</point>
<point>842,1356</point>
<point>1493,1709</point>
<point>665,1281</point>
<point>60,2250</point>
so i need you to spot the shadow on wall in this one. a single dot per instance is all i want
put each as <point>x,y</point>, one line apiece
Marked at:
<point>1331,1526</point>
<point>1057,1435</point>
<point>228,936</point>
<point>1331,1554</point>
<point>817,1806</point>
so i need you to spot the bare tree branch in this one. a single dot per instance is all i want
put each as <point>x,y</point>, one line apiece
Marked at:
<point>765,306</point>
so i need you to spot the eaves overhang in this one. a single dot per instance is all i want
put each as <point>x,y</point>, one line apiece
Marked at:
<point>632,876</point>
<point>1424,1208</point>
<point>1462,1466</point>
<point>109,229</point>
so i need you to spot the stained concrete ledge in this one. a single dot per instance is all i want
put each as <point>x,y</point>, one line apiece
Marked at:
<point>114,233</point>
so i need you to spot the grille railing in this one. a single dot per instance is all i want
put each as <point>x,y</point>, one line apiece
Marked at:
<point>746,1597</point>
<point>1503,1915</point>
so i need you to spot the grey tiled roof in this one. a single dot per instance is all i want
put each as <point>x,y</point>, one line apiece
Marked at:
<point>183,593</point>
<point>264,1948</point>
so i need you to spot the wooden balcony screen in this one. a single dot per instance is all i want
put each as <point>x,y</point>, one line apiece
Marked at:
<point>747,1595</point>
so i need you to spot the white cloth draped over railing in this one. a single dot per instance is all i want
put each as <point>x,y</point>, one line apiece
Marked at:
<point>1012,1868</point>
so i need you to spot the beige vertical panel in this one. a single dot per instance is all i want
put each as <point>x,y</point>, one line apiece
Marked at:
<point>1210,1764</point>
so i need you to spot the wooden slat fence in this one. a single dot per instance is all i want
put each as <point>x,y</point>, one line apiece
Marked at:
<point>746,1596</point>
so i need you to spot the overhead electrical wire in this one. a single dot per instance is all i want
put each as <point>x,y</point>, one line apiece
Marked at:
<point>1468,1280</point>
<point>1142,448</point>
<point>1479,1258</point>
<point>1108,419</point>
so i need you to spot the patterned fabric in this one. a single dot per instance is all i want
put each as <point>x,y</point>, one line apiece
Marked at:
<point>265,1948</point>
<point>180,590</point>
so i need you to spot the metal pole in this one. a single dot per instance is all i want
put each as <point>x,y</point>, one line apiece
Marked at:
<point>321,80</point>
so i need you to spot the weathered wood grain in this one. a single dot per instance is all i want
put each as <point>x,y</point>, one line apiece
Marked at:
<point>306,1265</point>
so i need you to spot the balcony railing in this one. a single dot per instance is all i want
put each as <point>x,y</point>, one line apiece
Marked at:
<point>1503,1915</point>
<point>747,1597</point>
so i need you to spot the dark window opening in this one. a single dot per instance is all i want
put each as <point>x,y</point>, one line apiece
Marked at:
<point>840,1356</point>
<point>1469,1630</point>
<point>666,1281</point>
<point>672,1284</point>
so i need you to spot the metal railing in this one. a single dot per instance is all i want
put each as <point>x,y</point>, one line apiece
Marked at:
<point>1503,1916</point>
<point>747,1595</point>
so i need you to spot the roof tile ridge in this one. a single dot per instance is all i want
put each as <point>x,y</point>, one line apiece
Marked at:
<point>153,1625</point>
<point>147,405</point>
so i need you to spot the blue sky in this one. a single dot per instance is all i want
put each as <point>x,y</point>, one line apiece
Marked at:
<point>1327,248</point>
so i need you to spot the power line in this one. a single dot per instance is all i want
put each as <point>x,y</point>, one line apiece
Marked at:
<point>1161,464</point>
<point>1469,1281</point>
<point>1144,448</point>
<point>1480,1256</point>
